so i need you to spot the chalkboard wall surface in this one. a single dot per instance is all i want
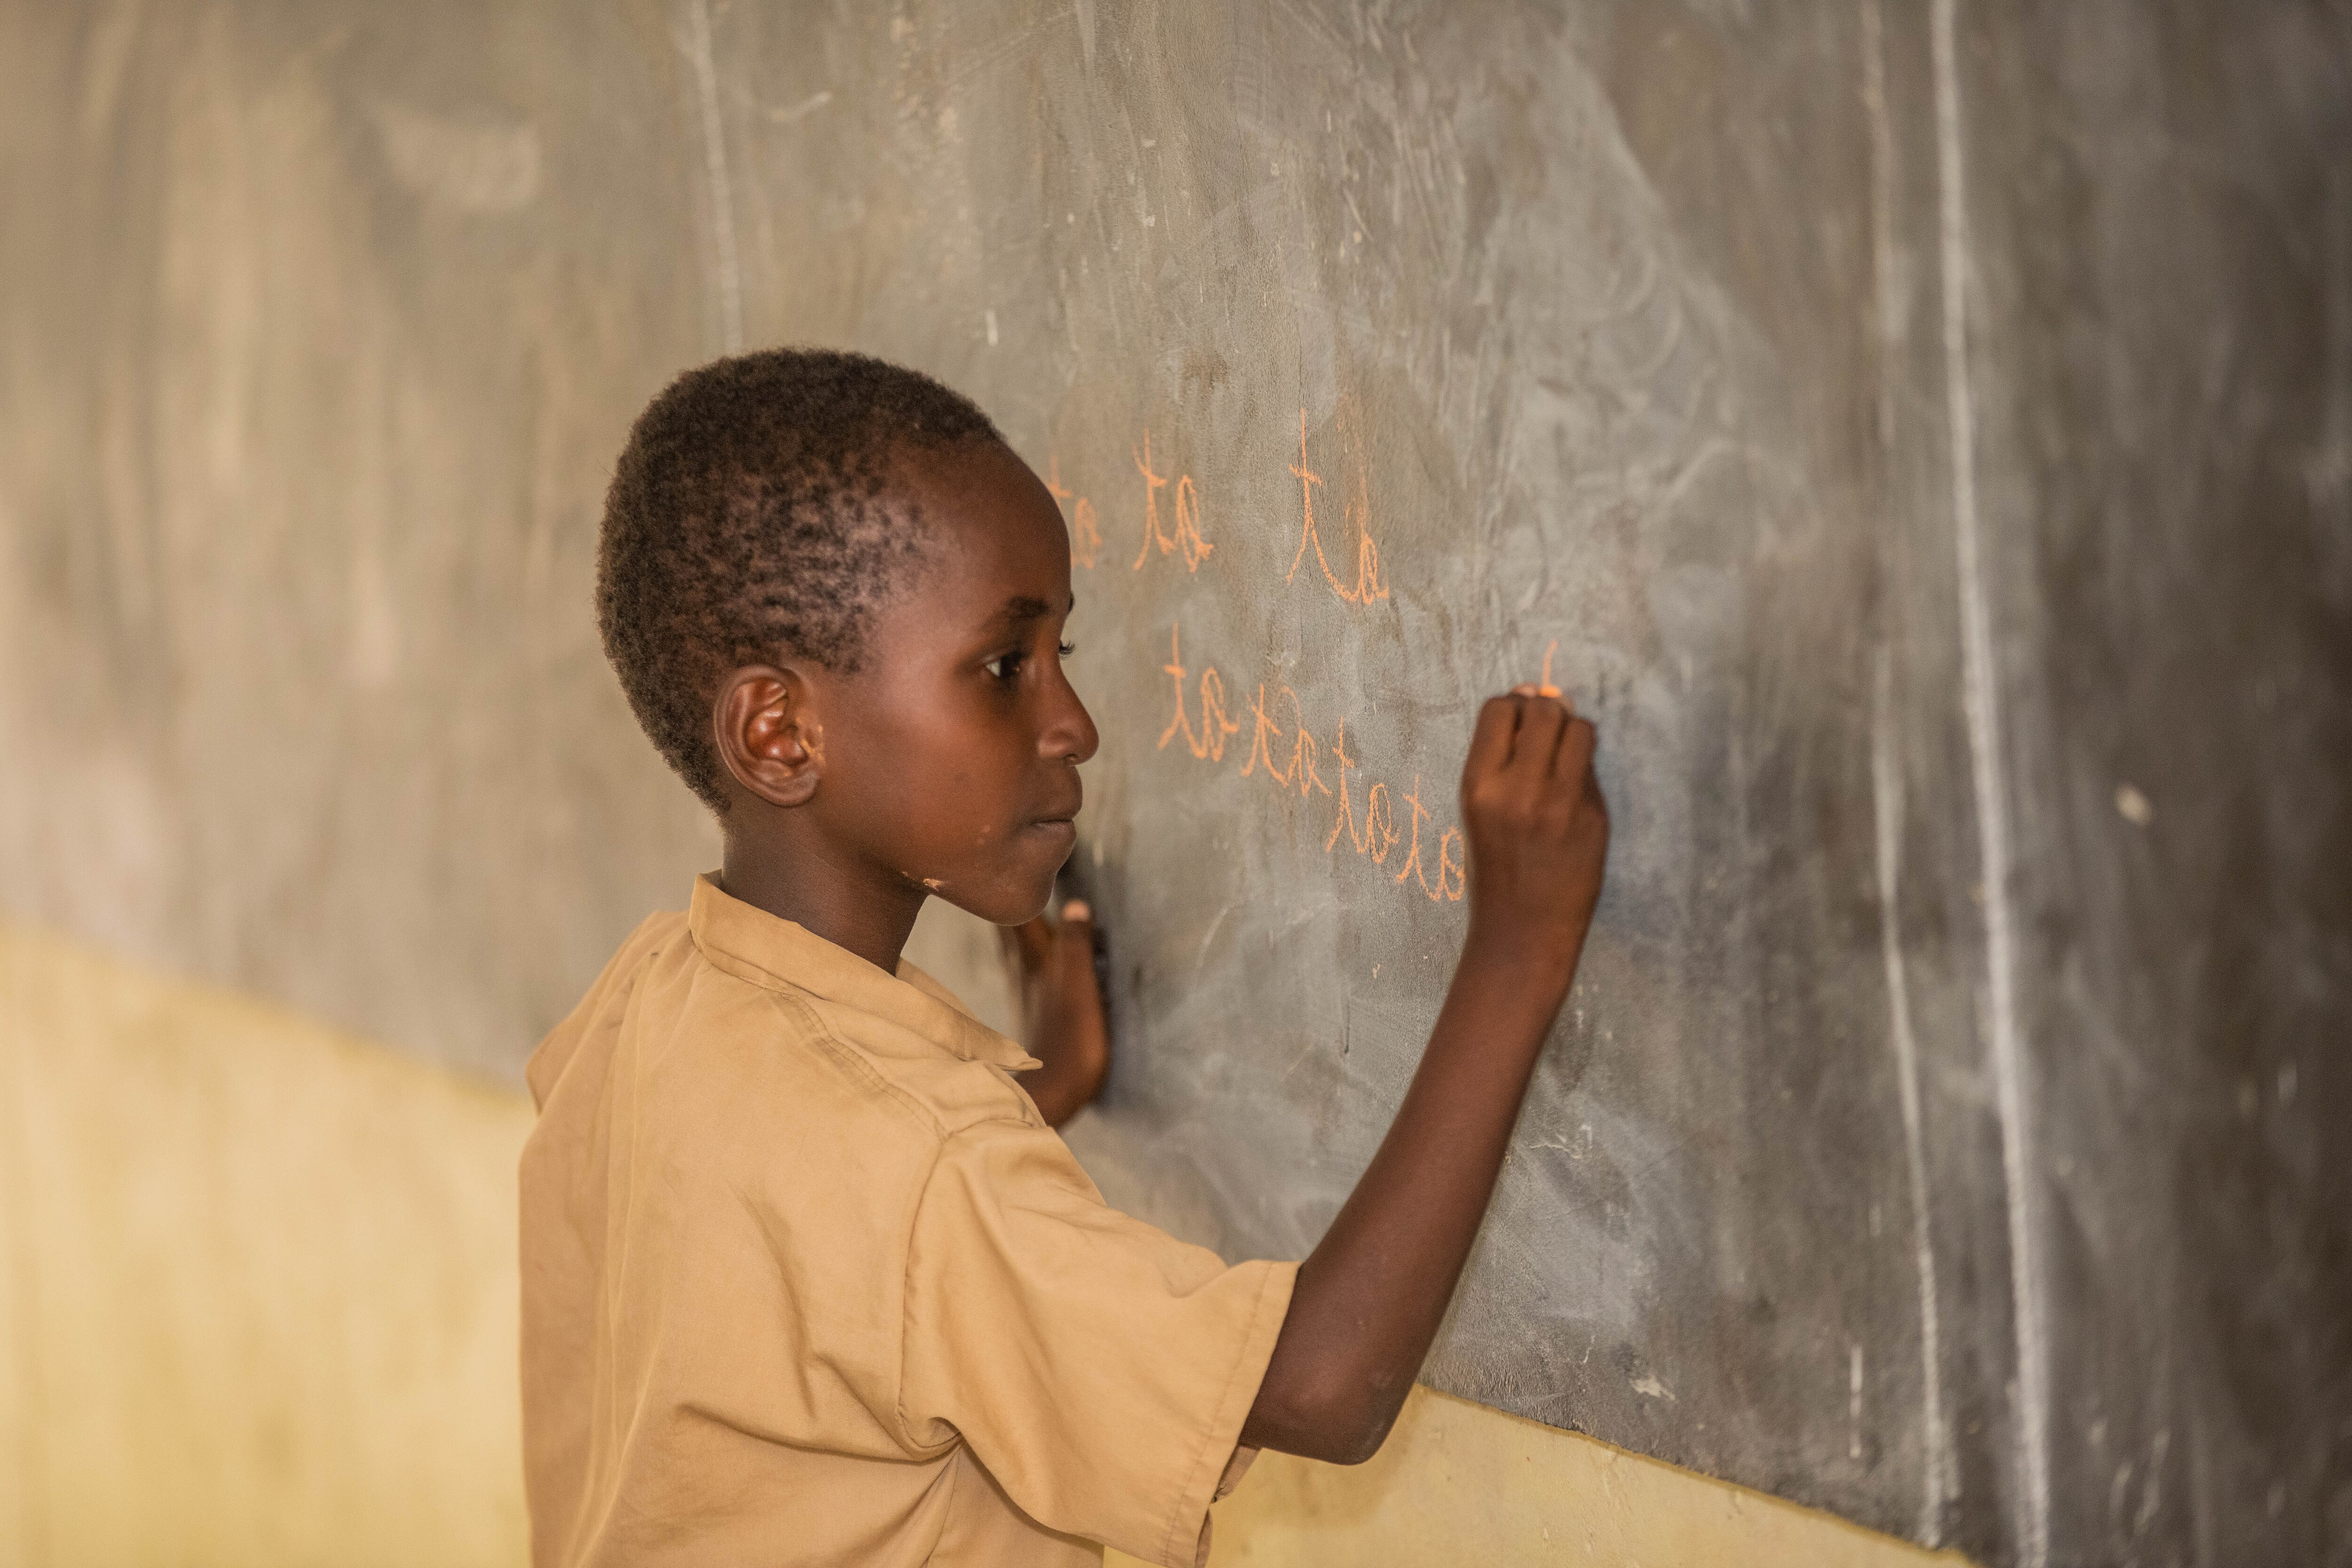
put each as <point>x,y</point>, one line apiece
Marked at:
<point>1921,435</point>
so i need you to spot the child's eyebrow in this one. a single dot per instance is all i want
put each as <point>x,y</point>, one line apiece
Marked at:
<point>1021,609</point>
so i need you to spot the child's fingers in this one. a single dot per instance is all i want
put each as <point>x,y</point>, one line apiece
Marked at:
<point>1539,728</point>
<point>1544,698</point>
<point>1575,754</point>
<point>1490,743</point>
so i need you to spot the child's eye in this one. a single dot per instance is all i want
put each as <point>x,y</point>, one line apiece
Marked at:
<point>1067,649</point>
<point>1005,666</point>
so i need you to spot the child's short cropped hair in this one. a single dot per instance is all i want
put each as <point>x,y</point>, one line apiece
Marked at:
<point>750,520</point>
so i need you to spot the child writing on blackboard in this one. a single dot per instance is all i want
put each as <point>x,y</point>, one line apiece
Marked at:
<point>808,1276</point>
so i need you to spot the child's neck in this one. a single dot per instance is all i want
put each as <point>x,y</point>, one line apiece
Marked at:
<point>783,868</point>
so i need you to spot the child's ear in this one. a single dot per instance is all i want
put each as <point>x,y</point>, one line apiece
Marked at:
<point>768,733</point>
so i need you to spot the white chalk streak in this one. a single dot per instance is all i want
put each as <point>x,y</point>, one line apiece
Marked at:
<point>1981,696</point>
<point>714,156</point>
<point>1886,792</point>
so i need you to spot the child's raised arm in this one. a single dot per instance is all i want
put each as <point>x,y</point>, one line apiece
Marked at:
<point>1370,1298</point>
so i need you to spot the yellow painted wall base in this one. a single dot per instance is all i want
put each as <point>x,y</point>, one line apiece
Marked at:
<point>258,1309</point>
<point>1457,1483</point>
<point>258,1306</point>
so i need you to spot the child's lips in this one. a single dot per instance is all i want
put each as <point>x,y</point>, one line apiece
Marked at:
<point>1055,819</point>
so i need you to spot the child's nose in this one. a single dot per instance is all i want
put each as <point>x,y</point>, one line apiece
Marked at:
<point>1070,731</point>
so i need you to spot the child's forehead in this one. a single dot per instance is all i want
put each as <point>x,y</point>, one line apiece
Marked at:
<point>994,553</point>
<point>982,499</point>
<point>929,469</point>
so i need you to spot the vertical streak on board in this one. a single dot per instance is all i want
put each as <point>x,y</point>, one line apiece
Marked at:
<point>2332,474</point>
<point>1888,293</point>
<point>1980,694</point>
<point>1939,1482</point>
<point>714,155</point>
<point>1886,781</point>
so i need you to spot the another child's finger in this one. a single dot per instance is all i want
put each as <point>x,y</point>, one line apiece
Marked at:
<point>1077,931</point>
<point>1074,942</point>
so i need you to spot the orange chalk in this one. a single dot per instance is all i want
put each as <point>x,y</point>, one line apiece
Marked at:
<point>1369,585</point>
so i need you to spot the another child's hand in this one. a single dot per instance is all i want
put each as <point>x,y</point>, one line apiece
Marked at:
<point>1061,1011</point>
<point>1538,832</point>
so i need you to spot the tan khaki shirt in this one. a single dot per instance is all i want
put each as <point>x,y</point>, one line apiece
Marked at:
<point>805,1280</point>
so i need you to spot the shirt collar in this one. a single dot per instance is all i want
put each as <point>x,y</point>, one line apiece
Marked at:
<point>768,950</point>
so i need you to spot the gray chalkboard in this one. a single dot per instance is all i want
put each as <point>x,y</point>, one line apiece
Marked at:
<point>1920,434</point>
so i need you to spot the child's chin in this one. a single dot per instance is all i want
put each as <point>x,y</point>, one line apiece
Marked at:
<point>1014,901</point>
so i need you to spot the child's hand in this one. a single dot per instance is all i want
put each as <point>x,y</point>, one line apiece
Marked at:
<point>1538,828</point>
<point>1061,1011</point>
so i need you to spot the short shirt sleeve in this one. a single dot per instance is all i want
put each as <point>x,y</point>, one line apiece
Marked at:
<point>1098,1367</point>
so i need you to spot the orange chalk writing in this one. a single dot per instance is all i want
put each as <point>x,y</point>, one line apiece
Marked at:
<point>1085,533</point>
<point>1371,831</point>
<point>1346,821</point>
<point>1208,740</point>
<point>1380,823</point>
<point>1302,752</point>
<point>1187,537</point>
<point>1214,725</point>
<point>1544,687</point>
<point>1258,752</point>
<point>1188,524</point>
<point>1377,834</point>
<point>1300,771</point>
<point>1413,867</point>
<point>1368,585</point>
<point>1152,485</point>
<point>1447,843</point>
